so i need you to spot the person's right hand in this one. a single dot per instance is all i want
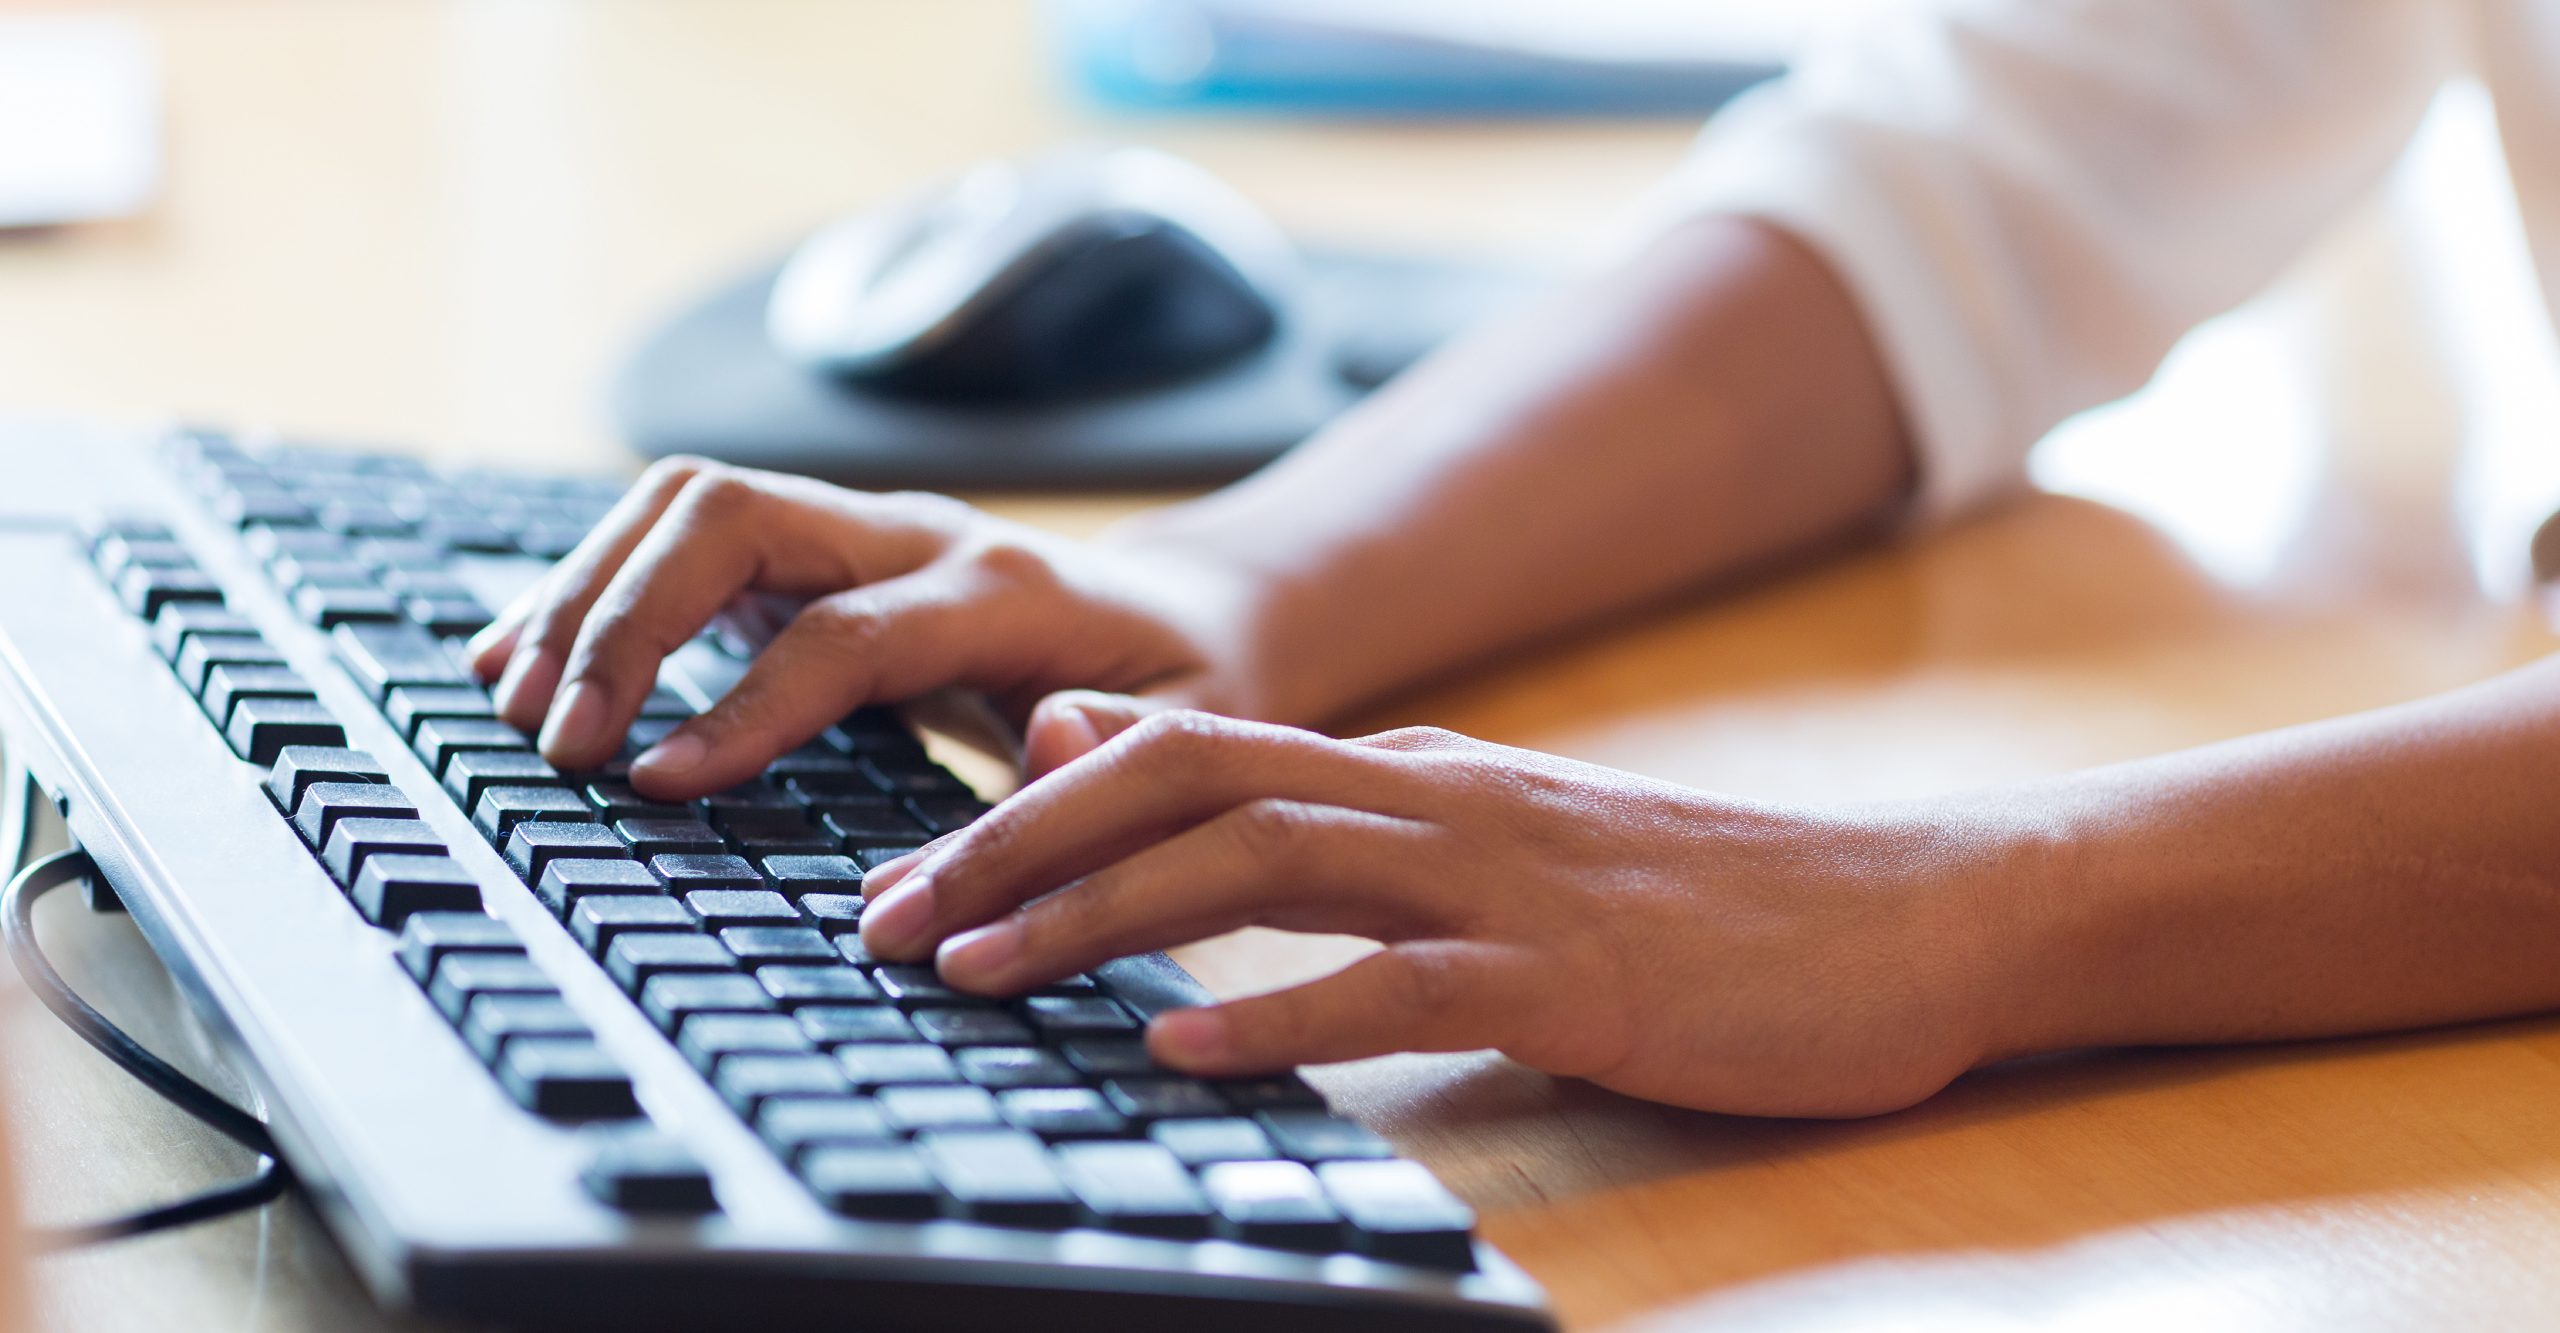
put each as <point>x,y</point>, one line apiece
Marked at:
<point>904,594</point>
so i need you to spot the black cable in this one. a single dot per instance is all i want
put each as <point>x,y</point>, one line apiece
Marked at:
<point>17,930</point>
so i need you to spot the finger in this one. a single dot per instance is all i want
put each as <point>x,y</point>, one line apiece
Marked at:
<point>1269,863</point>
<point>885,641</point>
<point>1071,724</point>
<point>1169,772</point>
<point>1433,996</point>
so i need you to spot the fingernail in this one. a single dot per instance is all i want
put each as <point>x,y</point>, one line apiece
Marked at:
<point>983,953</point>
<point>878,879</point>
<point>523,669</point>
<point>479,644</point>
<point>1189,1035</point>
<point>899,920</point>
<point>576,717</point>
<point>673,757</point>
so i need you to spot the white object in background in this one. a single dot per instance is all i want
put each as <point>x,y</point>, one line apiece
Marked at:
<point>79,120</point>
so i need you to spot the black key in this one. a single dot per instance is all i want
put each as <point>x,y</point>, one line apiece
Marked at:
<point>439,740</point>
<point>835,913</point>
<point>1321,1136</point>
<point>1076,1016</point>
<point>792,1125</point>
<point>1272,1203</point>
<point>782,843</point>
<point>407,707</point>
<point>795,986</point>
<point>757,821</point>
<point>872,858</point>
<point>885,1182</point>
<point>868,825</point>
<point>745,1081</point>
<point>648,1172</point>
<point>1279,1092</point>
<point>793,876</point>
<point>428,938</point>
<point>665,703</point>
<point>1166,1099</point>
<point>707,1039</point>
<point>1399,1212</point>
<point>180,621</point>
<point>566,881</point>
<point>1003,1067</point>
<point>226,686</point>
<point>837,1024</point>
<point>756,796</point>
<point>331,607</point>
<point>758,945</point>
<point>502,808</point>
<point>463,532</point>
<point>1061,1113</point>
<point>1201,1142</point>
<point>685,872</point>
<point>721,909</point>
<point>145,591</point>
<point>494,1020</point>
<point>945,814</point>
<point>355,841</point>
<point>1108,1057</point>
<point>566,1078</point>
<point>297,767</point>
<point>1074,984</point>
<point>636,956</point>
<point>851,947</point>
<point>475,771</point>
<point>1135,1187</point>
<point>811,761</point>
<point>273,506</point>
<point>668,837</point>
<point>911,984</point>
<point>970,1027</point>
<point>883,1064</point>
<point>203,652</point>
<point>616,801</point>
<point>447,617</point>
<point>912,776</point>
<point>273,543</point>
<point>600,919</point>
<point>391,889</point>
<point>382,657</point>
<point>129,527</point>
<point>923,1106</point>
<point>646,732</point>
<point>323,804</point>
<point>362,518</point>
<point>402,559</point>
<point>464,977</point>
<point>116,554</point>
<point>535,844</point>
<point>330,570</point>
<point>671,999</point>
<point>999,1176</point>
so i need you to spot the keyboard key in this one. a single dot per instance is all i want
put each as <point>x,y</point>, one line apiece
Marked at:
<point>227,686</point>
<point>884,1182</point>
<point>745,1081</point>
<point>1166,1099</point>
<point>146,591</point>
<point>835,913</point>
<point>447,617</point>
<point>617,801</point>
<point>837,1024</point>
<point>203,652</point>
<point>297,767</point>
<point>686,872</point>
<point>392,888</point>
<point>792,876</point>
<point>494,1020</point>
<point>428,938</point>
<point>323,804</point>
<point>1134,1187</point>
<point>502,808</point>
<point>600,919</point>
<point>472,772</point>
<point>407,707</point>
<point>1003,1067</point>
<point>180,621</point>
<point>813,760</point>
<point>1076,1016</point>
<point>872,858</point>
<point>331,607</point>
<point>464,977</point>
<point>872,824</point>
<point>1279,1092</point>
<point>758,945</point>
<point>770,844</point>
<point>566,880</point>
<point>1320,1136</point>
<point>1061,1113</point>
<point>795,986</point>
<point>882,1065</point>
<point>648,1172</point>
<point>1201,1142</point>
<point>706,1039</point>
<point>1108,1057</point>
<point>1398,1211</point>
<point>910,984</point>
<point>721,909</point>
<point>354,841</point>
<point>672,998</point>
<point>667,837</point>
<point>536,843</point>
<point>665,703</point>
<point>749,796</point>
<point>381,657</point>
<point>938,1106</point>
<point>970,1027</point>
<point>851,947</point>
<point>439,739</point>
<point>636,956</point>
<point>1280,1204</point>
<point>792,1125</point>
<point>999,1176</point>
<point>947,814</point>
<point>566,1078</point>
<point>320,570</point>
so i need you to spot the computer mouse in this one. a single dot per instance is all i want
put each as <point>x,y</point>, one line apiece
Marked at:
<point>1080,272</point>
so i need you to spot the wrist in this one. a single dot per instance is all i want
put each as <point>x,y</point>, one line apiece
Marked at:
<point>1243,604</point>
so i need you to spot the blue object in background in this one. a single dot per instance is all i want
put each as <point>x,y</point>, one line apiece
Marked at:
<point>1269,55</point>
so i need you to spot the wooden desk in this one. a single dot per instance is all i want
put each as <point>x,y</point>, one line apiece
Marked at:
<point>441,223</point>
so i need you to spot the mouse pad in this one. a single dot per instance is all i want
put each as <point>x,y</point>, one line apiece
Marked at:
<point>709,383</point>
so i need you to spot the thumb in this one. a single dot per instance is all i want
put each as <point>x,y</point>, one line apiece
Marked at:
<point>1071,724</point>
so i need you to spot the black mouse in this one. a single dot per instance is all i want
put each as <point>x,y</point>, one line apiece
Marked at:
<point>1084,272</point>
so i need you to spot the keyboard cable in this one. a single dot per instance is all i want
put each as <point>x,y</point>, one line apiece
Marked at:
<point>29,882</point>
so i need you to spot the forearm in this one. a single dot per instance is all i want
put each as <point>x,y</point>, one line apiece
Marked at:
<point>1711,405</point>
<point>2394,869</point>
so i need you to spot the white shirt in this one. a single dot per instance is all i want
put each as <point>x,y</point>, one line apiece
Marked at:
<point>2032,199</point>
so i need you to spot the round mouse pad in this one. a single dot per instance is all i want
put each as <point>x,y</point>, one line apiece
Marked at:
<point>710,383</point>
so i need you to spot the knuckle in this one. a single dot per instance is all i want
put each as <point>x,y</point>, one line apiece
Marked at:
<point>843,625</point>
<point>1416,739</point>
<point>1269,831</point>
<point>719,494</point>
<point>1423,982</point>
<point>670,474</point>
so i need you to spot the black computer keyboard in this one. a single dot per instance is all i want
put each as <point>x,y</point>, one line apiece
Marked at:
<point>695,1097</point>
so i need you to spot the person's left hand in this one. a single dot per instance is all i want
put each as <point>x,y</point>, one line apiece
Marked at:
<point>1655,939</point>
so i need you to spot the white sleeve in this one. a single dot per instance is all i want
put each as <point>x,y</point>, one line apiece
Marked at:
<point>2032,199</point>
